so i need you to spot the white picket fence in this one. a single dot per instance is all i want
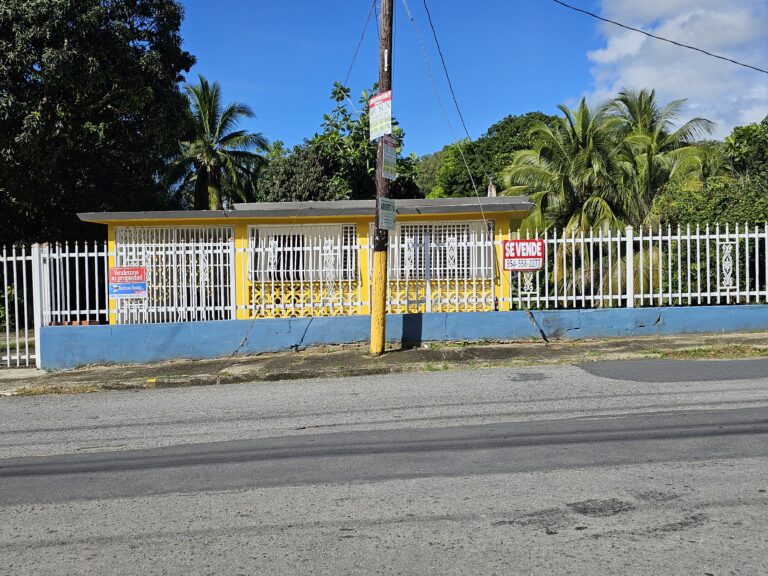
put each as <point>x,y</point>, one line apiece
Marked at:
<point>317,271</point>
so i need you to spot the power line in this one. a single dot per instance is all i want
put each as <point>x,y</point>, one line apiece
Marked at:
<point>431,75</point>
<point>453,97</point>
<point>442,108</point>
<point>680,44</point>
<point>445,68</point>
<point>360,42</point>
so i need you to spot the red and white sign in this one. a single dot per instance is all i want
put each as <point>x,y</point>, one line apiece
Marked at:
<point>380,114</point>
<point>127,274</point>
<point>523,255</point>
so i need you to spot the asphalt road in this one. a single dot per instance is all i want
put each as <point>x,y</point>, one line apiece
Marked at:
<point>614,468</point>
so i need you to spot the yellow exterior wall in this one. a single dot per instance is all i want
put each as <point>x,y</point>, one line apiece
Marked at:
<point>504,224</point>
<point>111,250</point>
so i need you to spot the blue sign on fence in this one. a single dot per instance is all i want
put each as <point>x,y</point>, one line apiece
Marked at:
<point>128,290</point>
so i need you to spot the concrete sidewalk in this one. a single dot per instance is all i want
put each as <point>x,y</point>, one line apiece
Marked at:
<point>336,361</point>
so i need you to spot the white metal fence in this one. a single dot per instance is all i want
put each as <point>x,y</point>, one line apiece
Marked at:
<point>17,307</point>
<point>691,266</point>
<point>318,271</point>
<point>74,283</point>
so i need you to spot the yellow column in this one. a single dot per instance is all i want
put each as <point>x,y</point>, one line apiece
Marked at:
<point>378,303</point>
<point>364,286</point>
<point>111,261</point>
<point>502,286</point>
<point>241,270</point>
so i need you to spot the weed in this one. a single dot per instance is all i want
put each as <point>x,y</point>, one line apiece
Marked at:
<point>435,366</point>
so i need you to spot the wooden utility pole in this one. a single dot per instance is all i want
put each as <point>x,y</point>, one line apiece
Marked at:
<point>381,237</point>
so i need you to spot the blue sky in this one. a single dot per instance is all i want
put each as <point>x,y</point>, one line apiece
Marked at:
<point>505,57</point>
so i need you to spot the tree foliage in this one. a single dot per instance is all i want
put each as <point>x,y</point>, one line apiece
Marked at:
<point>445,173</point>
<point>726,200</point>
<point>732,187</point>
<point>603,167</point>
<point>218,166</point>
<point>337,163</point>
<point>747,149</point>
<point>89,110</point>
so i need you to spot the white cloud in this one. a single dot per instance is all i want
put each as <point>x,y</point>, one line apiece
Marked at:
<point>721,91</point>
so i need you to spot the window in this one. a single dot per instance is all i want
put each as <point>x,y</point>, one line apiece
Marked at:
<point>441,251</point>
<point>304,253</point>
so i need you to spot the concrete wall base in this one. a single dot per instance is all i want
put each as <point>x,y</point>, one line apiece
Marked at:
<point>70,346</point>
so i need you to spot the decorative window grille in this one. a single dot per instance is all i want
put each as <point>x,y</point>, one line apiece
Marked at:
<point>303,271</point>
<point>442,267</point>
<point>190,275</point>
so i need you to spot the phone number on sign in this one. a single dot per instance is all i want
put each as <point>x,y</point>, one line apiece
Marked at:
<point>523,264</point>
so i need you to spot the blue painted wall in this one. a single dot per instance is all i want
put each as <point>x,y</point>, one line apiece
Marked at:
<point>70,346</point>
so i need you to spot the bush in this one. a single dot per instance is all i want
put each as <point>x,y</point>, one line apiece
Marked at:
<point>724,200</point>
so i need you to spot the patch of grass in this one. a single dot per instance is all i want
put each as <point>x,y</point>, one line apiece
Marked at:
<point>457,344</point>
<point>435,366</point>
<point>713,352</point>
<point>41,390</point>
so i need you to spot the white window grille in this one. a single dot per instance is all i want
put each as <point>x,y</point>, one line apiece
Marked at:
<point>442,267</point>
<point>190,273</point>
<point>303,270</point>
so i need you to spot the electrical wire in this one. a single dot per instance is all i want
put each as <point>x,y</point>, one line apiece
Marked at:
<point>455,102</point>
<point>680,44</point>
<point>445,69</point>
<point>359,42</point>
<point>463,123</point>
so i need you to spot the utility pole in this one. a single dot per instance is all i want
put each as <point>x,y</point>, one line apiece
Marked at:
<point>381,236</point>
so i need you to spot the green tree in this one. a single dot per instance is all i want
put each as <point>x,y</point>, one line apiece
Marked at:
<point>426,173</point>
<point>604,168</point>
<point>655,150</point>
<point>747,149</point>
<point>453,178</point>
<point>731,186</point>
<point>573,173</point>
<point>497,146</point>
<point>218,165</point>
<point>445,174</point>
<point>337,163</point>
<point>297,174</point>
<point>725,200</point>
<point>90,109</point>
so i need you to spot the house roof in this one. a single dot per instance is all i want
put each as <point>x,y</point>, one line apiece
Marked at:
<point>326,208</point>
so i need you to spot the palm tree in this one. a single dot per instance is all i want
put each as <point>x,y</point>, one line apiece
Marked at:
<point>602,168</point>
<point>573,174</point>
<point>218,166</point>
<point>655,150</point>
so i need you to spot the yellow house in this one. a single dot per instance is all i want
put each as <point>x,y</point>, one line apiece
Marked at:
<point>294,259</point>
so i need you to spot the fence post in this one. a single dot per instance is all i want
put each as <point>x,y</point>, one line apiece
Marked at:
<point>630,268</point>
<point>37,300</point>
